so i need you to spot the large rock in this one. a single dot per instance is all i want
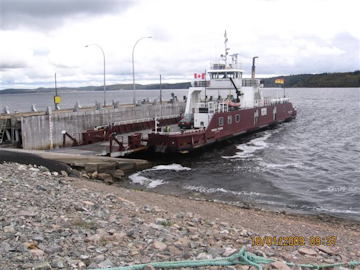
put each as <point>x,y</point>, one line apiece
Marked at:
<point>25,213</point>
<point>37,252</point>
<point>42,265</point>
<point>106,264</point>
<point>107,178</point>
<point>94,175</point>
<point>173,250</point>
<point>306,251</point>
<point>9,229</point>
<point>104,176</point>
<point>5,247</point>
<point>117,174</point>
<point>280,266</point>
<point>159,245</point>
<point>326,250</point>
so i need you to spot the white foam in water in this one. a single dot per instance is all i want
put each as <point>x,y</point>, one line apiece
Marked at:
<point>332,189</point>
<point>155,183</point>
<point>202,189</point>
<point>248,149</point>
<point>174,167</point>
<point>335,211</point>
<point>138,179</point>
<point>150,183</point>
<point>298,165</point>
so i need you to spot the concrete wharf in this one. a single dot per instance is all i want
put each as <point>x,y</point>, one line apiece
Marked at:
<point>44,130</point>
<point>74,159</point>
<point>42,134</point>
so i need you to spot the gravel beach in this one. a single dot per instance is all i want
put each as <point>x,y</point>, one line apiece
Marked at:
<point>51,221</point>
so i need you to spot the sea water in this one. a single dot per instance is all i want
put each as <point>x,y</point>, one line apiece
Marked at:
<point>308,165</point>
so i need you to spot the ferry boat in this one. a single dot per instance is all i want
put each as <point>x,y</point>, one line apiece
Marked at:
<point>225,106</point>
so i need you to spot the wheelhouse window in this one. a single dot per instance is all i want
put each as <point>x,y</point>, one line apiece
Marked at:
<point>223,75</point>
<point>229,120</point>
<point>237,118</point>
<point>221,121</point>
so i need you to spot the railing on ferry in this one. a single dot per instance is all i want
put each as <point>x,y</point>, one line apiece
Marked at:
<point>189,131</point>
<point>251,82</point>
<point>200,83</point>
<point>270,101</point>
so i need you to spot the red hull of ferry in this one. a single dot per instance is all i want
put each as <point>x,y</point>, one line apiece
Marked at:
<point>191,140</point>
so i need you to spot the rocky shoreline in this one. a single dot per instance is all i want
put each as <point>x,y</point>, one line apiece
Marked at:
<point>52,221</point>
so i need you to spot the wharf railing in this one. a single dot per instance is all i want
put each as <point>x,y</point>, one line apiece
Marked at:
<point>2,129</point>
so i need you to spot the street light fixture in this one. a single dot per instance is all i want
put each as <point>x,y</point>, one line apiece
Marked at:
<point>104,70</point>
<point>134,100</point>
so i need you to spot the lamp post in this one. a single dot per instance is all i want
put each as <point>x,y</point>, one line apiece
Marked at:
<point>104,70</point>
<point>134,100</point>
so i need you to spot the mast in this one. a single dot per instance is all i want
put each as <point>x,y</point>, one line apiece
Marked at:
<point>226,49</point>
<point>205,90</point>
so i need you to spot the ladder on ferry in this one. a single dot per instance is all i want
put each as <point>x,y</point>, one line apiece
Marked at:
<point>2,129</point>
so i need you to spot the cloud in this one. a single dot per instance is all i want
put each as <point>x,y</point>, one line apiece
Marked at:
<point>39,38</point>
<point>46,14</point>
<point>304,54</point>
<point>9,59</point>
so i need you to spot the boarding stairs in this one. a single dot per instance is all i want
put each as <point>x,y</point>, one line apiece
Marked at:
<point>2,129</point>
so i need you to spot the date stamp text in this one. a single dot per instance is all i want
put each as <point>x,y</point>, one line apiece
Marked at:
<point>293,240</point>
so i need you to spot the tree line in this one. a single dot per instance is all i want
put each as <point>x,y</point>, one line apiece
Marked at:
<point>346,79</point>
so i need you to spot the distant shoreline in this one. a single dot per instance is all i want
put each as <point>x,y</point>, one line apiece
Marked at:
<point>24,91</point>
<point>32,91</point>
<point>324,80</point>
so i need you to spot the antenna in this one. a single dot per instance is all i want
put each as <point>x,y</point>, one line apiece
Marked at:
<point>234,58</point>
<point>226,48</point>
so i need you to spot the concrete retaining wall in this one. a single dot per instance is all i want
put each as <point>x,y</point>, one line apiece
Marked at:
<point>40,132</point>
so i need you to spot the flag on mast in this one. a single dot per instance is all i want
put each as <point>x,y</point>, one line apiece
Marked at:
<point>199,76</point>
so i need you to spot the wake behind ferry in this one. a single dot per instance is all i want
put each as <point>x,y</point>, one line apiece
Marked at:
<point>213,118</point>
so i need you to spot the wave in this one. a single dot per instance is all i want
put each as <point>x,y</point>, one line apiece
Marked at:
<point>136,178</point>
<point>247,150</point>
<point>341,189</point>
<point>297,165</point>
<point>172,167</point>
<point>333,210</point>
<point>205,190</point>
<point>337,211</point>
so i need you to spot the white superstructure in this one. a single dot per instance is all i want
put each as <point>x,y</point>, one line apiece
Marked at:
<point>226,89</point>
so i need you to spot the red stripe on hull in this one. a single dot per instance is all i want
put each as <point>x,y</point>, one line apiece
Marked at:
<point>231,127</point>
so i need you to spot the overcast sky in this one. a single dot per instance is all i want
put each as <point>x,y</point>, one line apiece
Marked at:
<point>44,37</point>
